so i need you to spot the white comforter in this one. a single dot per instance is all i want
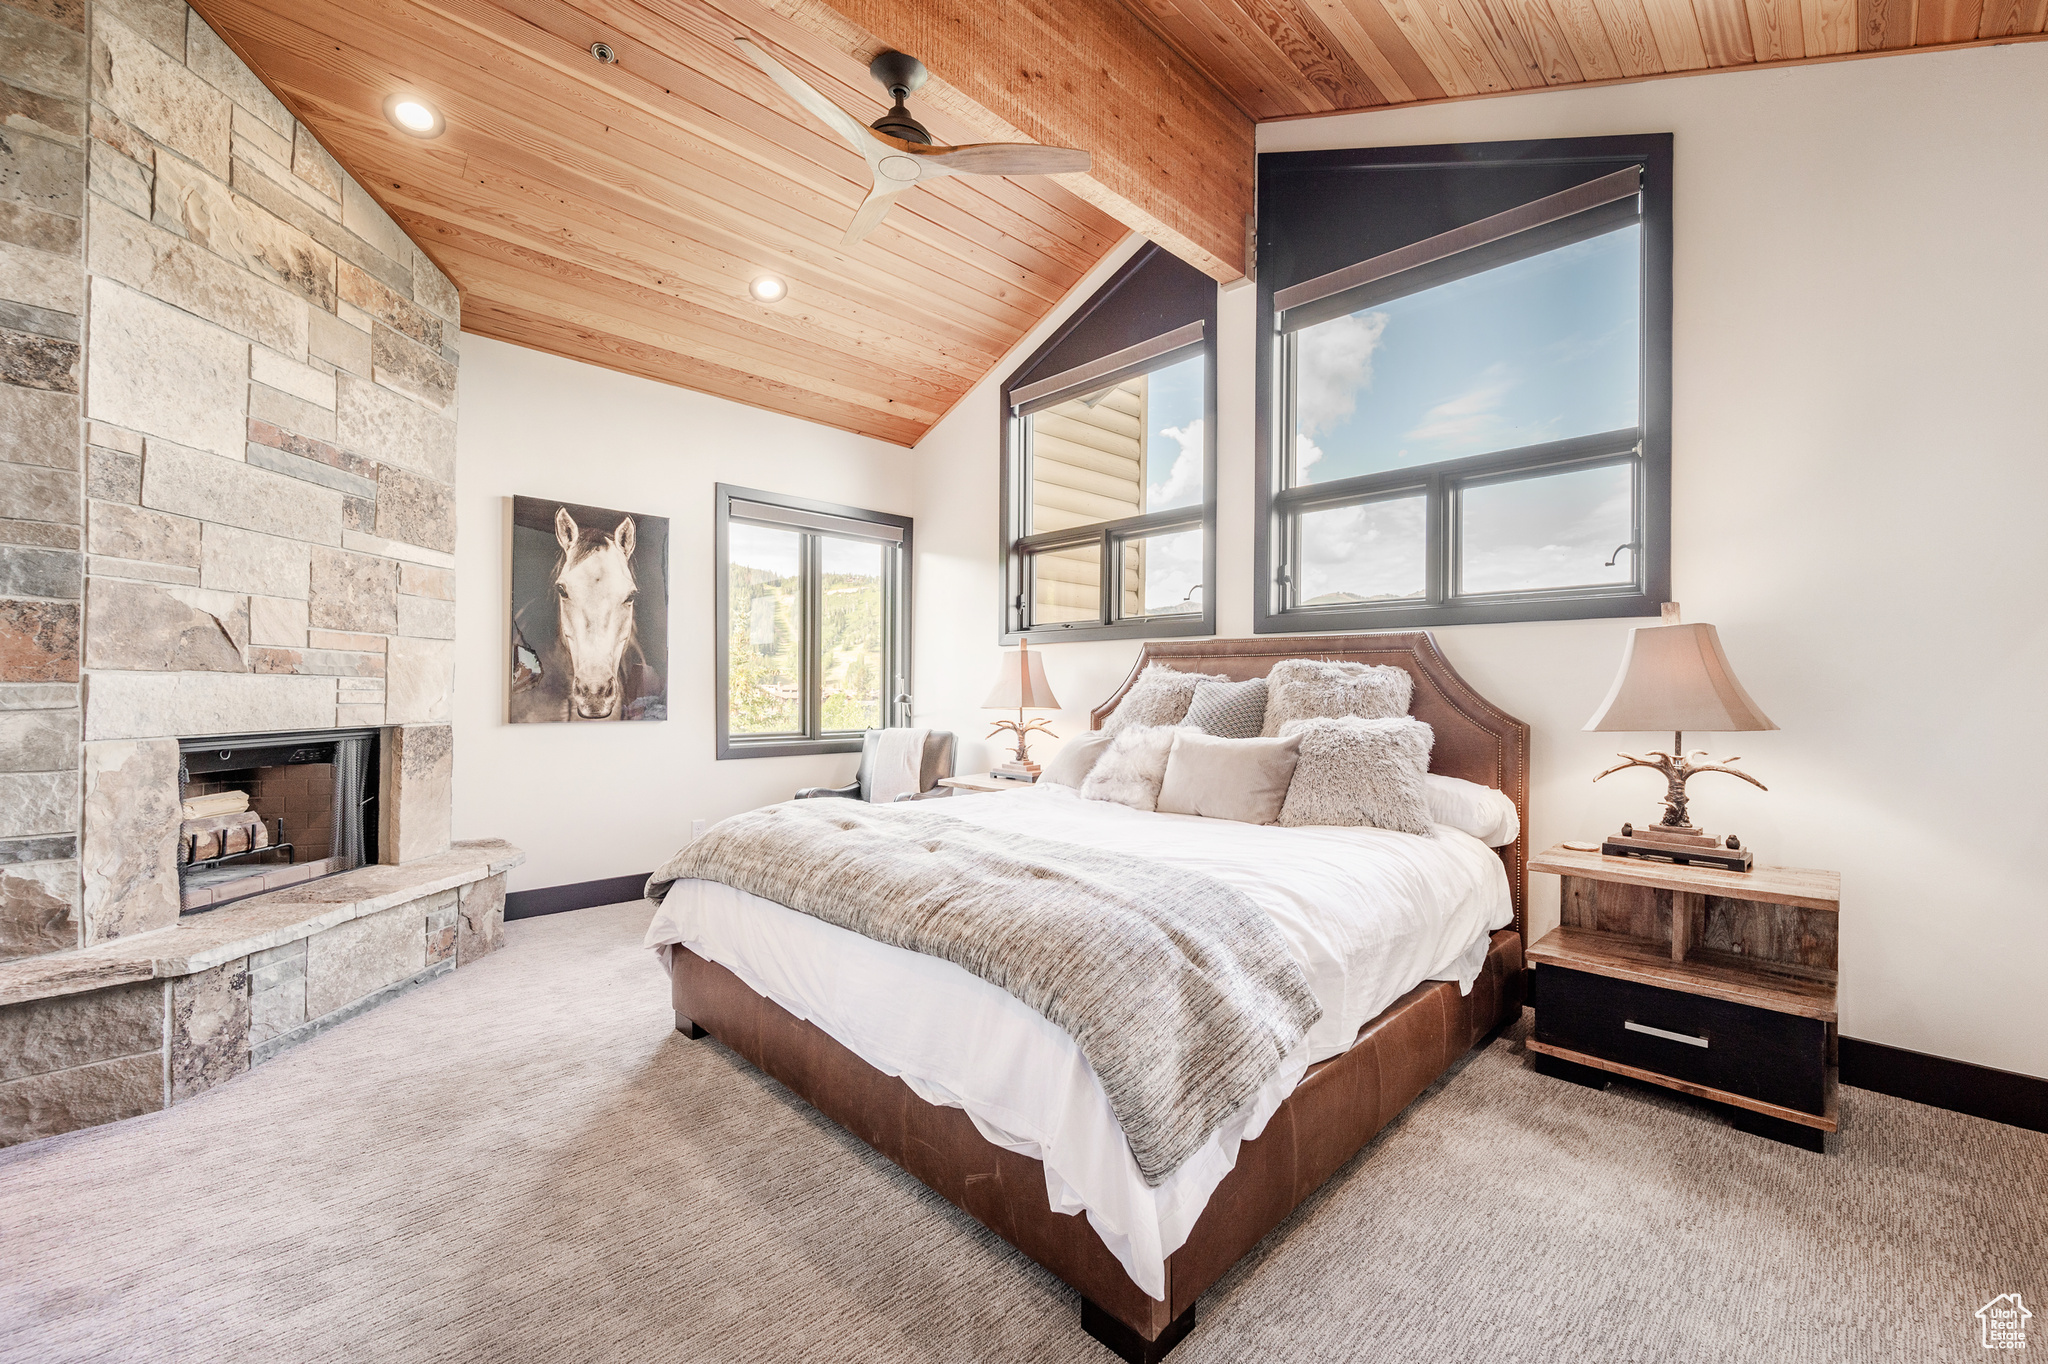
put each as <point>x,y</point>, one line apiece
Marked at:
<point>1368,914</point>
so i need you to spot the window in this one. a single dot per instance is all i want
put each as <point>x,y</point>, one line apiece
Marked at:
<point>1109,464</point>
<point>1468,418</point>
<point>813,624</point>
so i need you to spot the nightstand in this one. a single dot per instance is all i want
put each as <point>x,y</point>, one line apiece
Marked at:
<point>982,782</point>
<point>1718,984</point>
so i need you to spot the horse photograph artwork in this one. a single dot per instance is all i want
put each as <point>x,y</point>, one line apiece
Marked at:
<point>589,613</point>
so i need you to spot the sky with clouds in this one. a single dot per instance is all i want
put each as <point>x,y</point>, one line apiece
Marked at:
<point>1534,351</point>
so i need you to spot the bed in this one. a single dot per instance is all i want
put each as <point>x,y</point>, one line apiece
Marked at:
<point>837,1019</point>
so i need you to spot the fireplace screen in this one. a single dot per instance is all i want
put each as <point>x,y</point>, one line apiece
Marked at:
<point>263,811</point>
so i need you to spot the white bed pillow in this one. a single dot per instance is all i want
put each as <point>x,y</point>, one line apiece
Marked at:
<point>1241,779</point>
<point>1131,768</point>
<point>1481,811</point>
<point>1076,759</point>
<point>1160,696</point>
<point>1309,688</point>
<point>1357,771</point>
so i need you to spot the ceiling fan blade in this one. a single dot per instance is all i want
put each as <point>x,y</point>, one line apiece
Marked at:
<point>872,210</point>
<point>1009,158</point>
<point>824,110</point>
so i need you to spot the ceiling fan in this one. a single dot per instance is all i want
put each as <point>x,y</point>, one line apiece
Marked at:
<point>899,152</point>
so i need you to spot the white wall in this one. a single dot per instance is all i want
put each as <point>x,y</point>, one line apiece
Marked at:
<point>1861,460</point>
<point>596,800</point>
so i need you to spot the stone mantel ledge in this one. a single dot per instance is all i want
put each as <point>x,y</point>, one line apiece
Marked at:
<point>203,941</point>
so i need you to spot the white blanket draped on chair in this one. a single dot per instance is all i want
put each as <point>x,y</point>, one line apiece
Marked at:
<point>898,767</point>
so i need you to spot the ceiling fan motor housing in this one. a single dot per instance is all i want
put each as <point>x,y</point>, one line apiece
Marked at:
<point>901,75</point>
<point>898,150</point>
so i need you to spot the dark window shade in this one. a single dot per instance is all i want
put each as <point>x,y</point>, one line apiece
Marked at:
<point>771,515</point>
<point>1597,206</point>
<point>1138,359</point>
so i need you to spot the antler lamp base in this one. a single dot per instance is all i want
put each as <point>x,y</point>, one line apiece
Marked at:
<point>1020,767</point>
<point>1674,838</point>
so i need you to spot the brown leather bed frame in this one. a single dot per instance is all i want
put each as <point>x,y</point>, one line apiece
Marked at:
<point>1340,1104</point>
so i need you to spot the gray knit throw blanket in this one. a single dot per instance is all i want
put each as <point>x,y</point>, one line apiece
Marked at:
<point>1177,988</point>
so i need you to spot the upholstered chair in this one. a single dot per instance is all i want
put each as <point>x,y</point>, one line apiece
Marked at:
<point>938,762</point>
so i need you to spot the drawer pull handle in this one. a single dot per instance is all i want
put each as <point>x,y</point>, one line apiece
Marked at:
<point>1686,1038</point>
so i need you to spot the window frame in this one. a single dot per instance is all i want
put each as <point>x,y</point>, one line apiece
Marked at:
<point>1276,549</point>
<point>1089,353</point>
<point>896,616</point>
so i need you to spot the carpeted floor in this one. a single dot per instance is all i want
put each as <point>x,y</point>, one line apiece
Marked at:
<point>522,1161</point>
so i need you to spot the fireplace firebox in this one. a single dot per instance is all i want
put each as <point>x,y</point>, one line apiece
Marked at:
<point>264,811</point>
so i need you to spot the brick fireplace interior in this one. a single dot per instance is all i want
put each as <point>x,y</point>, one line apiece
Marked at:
<point>260,812</point>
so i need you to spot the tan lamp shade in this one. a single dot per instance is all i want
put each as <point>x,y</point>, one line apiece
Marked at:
<point>1021,685</point>
<point>1675,677</point>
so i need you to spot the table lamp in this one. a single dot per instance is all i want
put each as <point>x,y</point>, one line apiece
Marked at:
<point>1676,677</point>
<point>1020,682</point>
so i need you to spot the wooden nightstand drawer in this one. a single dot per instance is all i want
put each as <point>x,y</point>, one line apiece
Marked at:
<point>1776,1057</point>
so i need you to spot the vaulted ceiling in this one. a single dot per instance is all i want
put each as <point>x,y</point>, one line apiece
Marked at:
<point>616,213</point>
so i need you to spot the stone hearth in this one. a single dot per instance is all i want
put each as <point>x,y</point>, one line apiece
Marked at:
<point>153,1019</point>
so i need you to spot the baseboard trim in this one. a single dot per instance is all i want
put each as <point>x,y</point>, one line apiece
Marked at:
<point>1959,1086</point>
<point>529,904</point>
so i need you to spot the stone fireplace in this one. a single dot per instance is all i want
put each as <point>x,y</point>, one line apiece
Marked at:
<point>227,508</point>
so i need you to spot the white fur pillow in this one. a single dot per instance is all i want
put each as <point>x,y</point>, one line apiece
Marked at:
<point>1307,689</point>
<point>1131,768</point>
<point>1160,696</point>
<point>1356,771</point>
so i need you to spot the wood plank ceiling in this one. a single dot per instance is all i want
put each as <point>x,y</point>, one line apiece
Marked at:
<point>1290,58</point>
<point>616,213</point>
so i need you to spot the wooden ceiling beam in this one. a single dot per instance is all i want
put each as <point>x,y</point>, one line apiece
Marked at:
<point>1173,154</point>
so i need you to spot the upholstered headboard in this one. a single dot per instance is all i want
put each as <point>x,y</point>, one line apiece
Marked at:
<point>1475,739</point>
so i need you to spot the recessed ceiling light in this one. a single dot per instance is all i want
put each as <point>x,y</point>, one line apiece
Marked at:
<point>768,289</point>
<point>413,115</point>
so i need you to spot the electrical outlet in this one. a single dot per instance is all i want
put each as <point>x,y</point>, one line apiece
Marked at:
<point>697,827</point>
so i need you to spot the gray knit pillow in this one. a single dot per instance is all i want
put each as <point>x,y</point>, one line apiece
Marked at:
<point>1354,771</point>
<point>1160,696</point>
<point>1229,710</point>
<point>1131,768</point>
<point>1307,689</point>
